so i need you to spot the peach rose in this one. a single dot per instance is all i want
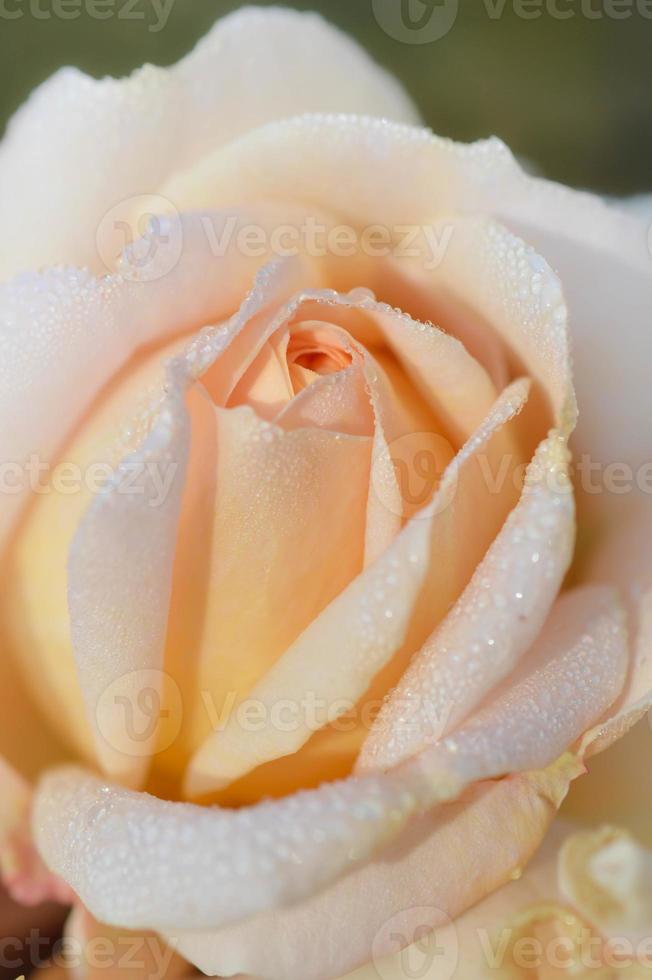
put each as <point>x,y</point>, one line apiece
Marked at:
<point>288,502</point>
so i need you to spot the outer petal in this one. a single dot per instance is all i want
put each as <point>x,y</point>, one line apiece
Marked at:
<point>126,137</point>
<point>590,244</point>
<point>478,944</point>
<point>443,863</point>
<point>114,847</point>
<point>622,555</point>
<point>582,648</point>
<point>64,323</point>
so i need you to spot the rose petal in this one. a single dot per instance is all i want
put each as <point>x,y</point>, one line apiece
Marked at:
<point>126,423</point>
<point>494,622</point>
<point>482,942</point>
<point>289,847</point>
<point>444,862</point>
<point>119,584</point>
<point>340,652</point>
<point>114,846</point>
<point>111,554</point>
<point>297,159</point>
<point>617,786</point>
<point>571,676</point>
<point>63,324</point>
<point>257,496</point>
<point>260,857</point>
<point>590,244</point>
<point>97,951</point>
<point>621,555</point>
<point>126,137</point>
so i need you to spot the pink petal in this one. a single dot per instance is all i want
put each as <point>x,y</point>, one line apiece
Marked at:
<point>21,869</point>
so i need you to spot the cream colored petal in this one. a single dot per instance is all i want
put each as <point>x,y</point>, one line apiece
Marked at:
<point>273,524</point>
<point>337,656</point>
<point>115,846</point>
<point>571,676</point>
<point>119,584</point>
<point>621,555</point>
<point>297,159</point>
<point>125,137</point>
<point>255,858</point>
<point>480,943</point>
<point>494,622</point>
<point>457,388</point>
<point>36,566</point>
<point>64,334</point>
<point>444,862</point>
<point>120,657</point>
<point>617,784</point>
<point>27,743</point>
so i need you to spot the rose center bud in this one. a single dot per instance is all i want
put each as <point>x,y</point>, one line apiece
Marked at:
<point>311,352</point>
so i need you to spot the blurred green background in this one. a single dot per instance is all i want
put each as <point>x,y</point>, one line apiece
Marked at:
<point>572,95</point>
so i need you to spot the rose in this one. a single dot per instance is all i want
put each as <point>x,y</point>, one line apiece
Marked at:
<point>255,566</point>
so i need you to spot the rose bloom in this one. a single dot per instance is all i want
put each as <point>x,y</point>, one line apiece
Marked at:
<point>299,656</point>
